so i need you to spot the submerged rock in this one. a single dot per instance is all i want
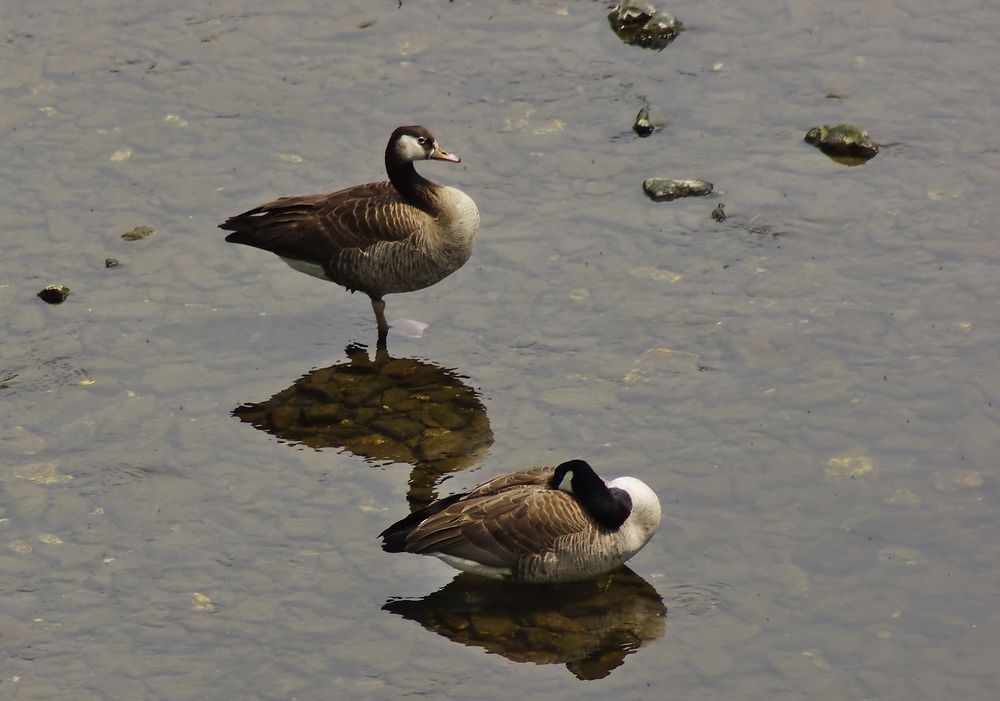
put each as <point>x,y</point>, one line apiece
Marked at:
<point>844,143</point>
<point>54,294</point>
<point>111,263</point>
<point>638,23</point>
<point>719,213</point>
<point>663,190</point>
<point>139,232</point>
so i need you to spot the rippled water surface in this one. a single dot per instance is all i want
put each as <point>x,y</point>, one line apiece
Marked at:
<point>811,386</point>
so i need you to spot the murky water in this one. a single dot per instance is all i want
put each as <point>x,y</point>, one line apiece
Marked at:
<point>811,386</point>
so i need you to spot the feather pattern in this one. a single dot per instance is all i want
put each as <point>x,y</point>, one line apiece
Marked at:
<point>527,526</point>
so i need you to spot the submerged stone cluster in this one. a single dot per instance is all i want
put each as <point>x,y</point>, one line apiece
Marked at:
<point>638,23</point>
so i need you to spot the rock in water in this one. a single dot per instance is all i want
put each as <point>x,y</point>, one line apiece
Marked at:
<point>663,190</point>
<point>54,294</point>
<point>844,143</point>
<point>139,232</point>
<point>636,22</point>
<point>643,126</point>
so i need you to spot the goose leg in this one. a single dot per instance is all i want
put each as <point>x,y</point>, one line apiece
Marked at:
<point>378,306</point>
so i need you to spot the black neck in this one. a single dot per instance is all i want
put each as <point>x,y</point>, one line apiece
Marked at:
<point>608,507</point>
<point>413,188</point>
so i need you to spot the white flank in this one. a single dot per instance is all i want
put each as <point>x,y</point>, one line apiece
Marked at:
<point>460,563</point>
<point>302,266</point>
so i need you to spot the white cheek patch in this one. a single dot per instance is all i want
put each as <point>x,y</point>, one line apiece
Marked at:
<point>410,148</point>
<point>566,485</point>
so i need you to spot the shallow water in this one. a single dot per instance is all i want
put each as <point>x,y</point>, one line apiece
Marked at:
<point>810,386</point>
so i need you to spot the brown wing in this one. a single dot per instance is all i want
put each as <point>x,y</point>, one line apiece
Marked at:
<point>315,228</point>
<point>522,478</point>
<point>395,537</point>
<point>499,529</point>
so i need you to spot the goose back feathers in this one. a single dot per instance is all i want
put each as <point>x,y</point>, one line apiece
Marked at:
<point>545,524</point>
<point>398,235</point>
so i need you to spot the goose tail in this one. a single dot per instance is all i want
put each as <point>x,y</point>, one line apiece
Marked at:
<point>394,537</point>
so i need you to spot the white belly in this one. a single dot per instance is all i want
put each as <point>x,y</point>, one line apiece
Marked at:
<point>460,563</point>
<point>302,266</point>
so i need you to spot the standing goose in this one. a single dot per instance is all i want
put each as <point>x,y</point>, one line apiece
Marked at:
<point>398,235</point>
<point>545,524</point>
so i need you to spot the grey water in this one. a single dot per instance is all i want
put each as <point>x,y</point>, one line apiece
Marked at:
<point>811,386</point>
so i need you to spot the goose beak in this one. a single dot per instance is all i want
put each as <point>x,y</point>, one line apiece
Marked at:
<point>439,154</point>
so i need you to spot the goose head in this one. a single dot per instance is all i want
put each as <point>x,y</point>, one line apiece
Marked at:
<point>610,504</point>
<point>416,143</point>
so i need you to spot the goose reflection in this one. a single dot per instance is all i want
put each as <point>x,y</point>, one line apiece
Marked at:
<point>591,626</point>
<point>386,410</point>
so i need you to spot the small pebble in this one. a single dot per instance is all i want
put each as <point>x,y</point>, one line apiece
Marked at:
<point>719,213</point>
<point>642,126</point>
<point>111,263</point>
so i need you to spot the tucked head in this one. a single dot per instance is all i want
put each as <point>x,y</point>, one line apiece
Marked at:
<point>646,511</point>
<point>416,143</point>
<point>607,506</point>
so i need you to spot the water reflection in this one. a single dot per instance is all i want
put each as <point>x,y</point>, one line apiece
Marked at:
<point>386,410</point>
<point>591,627</point>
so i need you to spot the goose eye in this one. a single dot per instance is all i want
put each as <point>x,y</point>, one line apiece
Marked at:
<point>422,140</point>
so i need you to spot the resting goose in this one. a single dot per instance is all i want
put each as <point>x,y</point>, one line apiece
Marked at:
<point>545,524</point>
<point>399,235</point>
